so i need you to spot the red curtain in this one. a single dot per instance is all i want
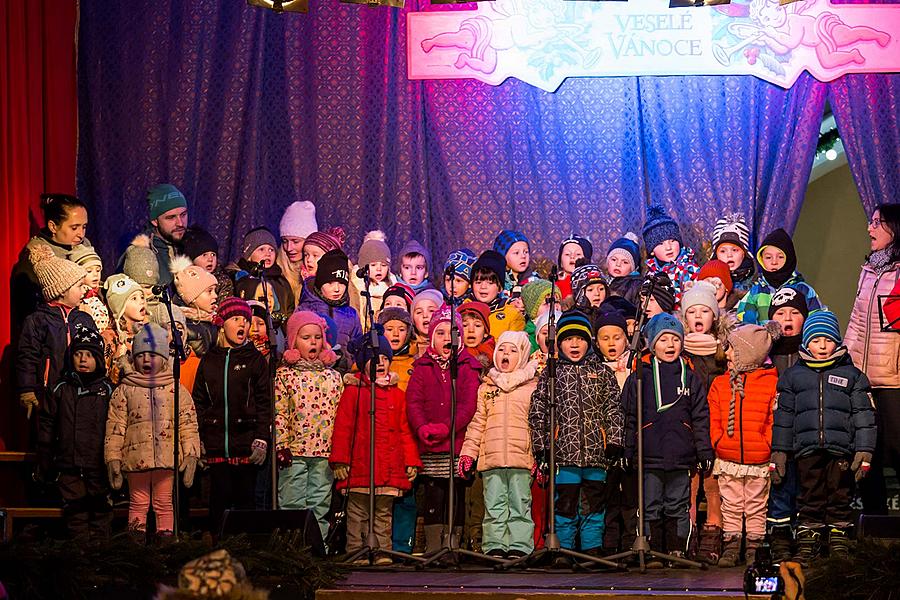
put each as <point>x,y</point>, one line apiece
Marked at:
<point>38,135</point>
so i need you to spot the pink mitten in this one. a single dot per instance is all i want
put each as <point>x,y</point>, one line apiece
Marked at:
<point>464,466</point>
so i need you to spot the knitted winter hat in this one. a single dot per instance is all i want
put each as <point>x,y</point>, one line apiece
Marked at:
<point>330,239</point>
<point>574,323</point>
<point>478,309</point>
<point>544,320</point>
<point>660,324</point>
<point>392,313</point>
<point>751,344</point>
<point>190,280</point>
<point>140,261</point>
<point>781,240</point>
<point>441,315</point>
<point>534,294</point>
<point>520,340</point>
<point>612,318</point>
<point>731,229</point>
<point>333,266</point>
<point>232,307</point>
<point>426,295</point>
<point>297,321</point>
<point>628,246</point>
<point>401,290</point>
<point>702,293</point>
<point>586,247</point>
<point>164,197</point>
<point>298,220</point>
<point>362,353</point>
<point>492,261</point>
<point>585,274</point>
<point>119,288</point>
<point>505,240</point>
<point>821,323</point>
<point>663,291</point>
<point>88,338</point>
<point>461,262</point>
<point>414,247</point>
<point>151,338</point>
<point>85,256</point>
<point>55,275</point>
<point>659,228</point>
<point>788,296</point>
<point>620,304</point>
<point>197,242</point>
<point>716,268</point>
<point>260,236</point>
<point>374,249</point>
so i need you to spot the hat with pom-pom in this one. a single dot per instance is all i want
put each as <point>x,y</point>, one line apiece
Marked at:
<point>298,220</point>
<point>659,228</point>
<point>232,307</point>
<point>374,249</point>
<point>54,274</point>
<point>750,344</point>
<point>140,261</point>
<point>119,288</point>
<point>628,246</point>
<point>298,320</point>
<point>535,294</point>
<point>731,229</point>
<point>190,280</point>
<point>330,239</point>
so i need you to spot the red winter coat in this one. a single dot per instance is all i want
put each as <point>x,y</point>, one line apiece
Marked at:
<point>751,443</point>
<point>428,398</point>
<point>395,448</point>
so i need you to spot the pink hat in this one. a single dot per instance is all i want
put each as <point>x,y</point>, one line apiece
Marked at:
<point>330,239</point>
<point>298,320</point>
<point>441,315</point>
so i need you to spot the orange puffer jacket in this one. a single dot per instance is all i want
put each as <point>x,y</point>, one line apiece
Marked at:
<point>751,441</point>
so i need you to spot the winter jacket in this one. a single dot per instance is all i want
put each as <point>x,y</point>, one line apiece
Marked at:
<point>874,351</point>
<point>42,346</point>
<point>306,399</point>
<point>498,435</point>
<point>588,414</point>
<point>428,398</point>
<point>377,290</point>
<point>403,366</point>
<point>628,287</point>
<point>506,318</point>
<point>201,336</point>
<point>785,353</point>
<point>564,284</point>
<point>753,308</point>
<point>681,270</point>
<point>751,440</point>
<point>344,316</point>
<point>824,409</point>
<point>706,368</point>
<point>676,435</point>
<point>231,392</point>
<point>140,426</point>
<point>395,448</point>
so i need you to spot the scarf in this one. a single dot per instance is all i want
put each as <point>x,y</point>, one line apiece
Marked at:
<point>881,260</point>
<point>778,278</point>
<point>786,345</point>
<point>825,363</point>
<point>737,389</point>
<point>425,285</point>
<point>195,314</point>
<point>442,363</point>
<point>164,378</point>
<point>514,379</point>
<point>700,344</point>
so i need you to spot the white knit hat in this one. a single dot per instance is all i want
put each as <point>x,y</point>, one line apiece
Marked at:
<point>702,293</point>
<point>299,220</point>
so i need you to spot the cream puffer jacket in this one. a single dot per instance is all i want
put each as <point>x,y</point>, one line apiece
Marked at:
<point>874,352</point>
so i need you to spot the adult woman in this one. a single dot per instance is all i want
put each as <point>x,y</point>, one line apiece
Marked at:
<point>66,221</point>
<point>298,221</point>
<point>877,352</point>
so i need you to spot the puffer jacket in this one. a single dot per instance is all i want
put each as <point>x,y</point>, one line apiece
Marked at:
<point>345,316</point>
<point>231,392</point>
<point>140,426</point>
<point>395,448</point>
<point>428,398</point>
<point>498,435</point>
<point>824,409</point>
<point>875,352</point>
<point>753,308</point>
<point>751,440</point>
<point>306,400</point>
<point>506,318</point>
<point>588,413</point>
<point>402,365</point>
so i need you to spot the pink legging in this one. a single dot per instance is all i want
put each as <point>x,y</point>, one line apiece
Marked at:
<point>143,486</point>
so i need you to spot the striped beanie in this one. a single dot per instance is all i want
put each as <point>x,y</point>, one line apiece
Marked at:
<point>330,239</point>
<point>821,323</point>
<point>573,322</point>
<point>731,229</point>
<point>232,307</point>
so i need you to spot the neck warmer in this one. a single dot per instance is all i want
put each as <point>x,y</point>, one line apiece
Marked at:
<point>700,344</point>
<point>425,285</point>
<point>163,378</point>
<point>880,260</point>
<point>744,271</point>
<point>817,364</point>
<point>786,345</point>
<point>195,314</point>
<point>514,379</point>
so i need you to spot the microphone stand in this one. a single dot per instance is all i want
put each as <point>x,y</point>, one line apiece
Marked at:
<point>273,365</point>
<point>178,346</point>
<point>453,551</point>
<point>372,548</point>
<point>552,545</point>
<point>641,546</point>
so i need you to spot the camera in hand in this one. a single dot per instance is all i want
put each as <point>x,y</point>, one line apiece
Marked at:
<point>762,577</point>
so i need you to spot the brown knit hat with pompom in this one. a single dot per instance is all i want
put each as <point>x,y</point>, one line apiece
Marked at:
<point>54,274</point>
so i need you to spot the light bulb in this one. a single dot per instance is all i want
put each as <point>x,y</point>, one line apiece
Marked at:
<point>831,154</point>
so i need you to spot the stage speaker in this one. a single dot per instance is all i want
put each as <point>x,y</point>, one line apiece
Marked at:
<point>878,527</point>
<point>259,524</point>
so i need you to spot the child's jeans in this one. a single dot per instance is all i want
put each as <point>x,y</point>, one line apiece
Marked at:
<point>306,484</point>
<point>358,521</point>
<point>507,521</point>
<point>668,493</point>
<point>783,499</point>
<point>146,487</point>
<point>581,496</point>
<point>744,499</point>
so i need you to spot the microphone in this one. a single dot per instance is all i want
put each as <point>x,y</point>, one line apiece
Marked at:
<point>257,267</point>
<point>363,272</point>
<point>449,272</point>
<point>554,273</point>
<point>159,290</point>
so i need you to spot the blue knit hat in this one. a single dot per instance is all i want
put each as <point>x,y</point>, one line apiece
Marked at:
<point>362,354</point>
<point>660,324</point>
<point>628,244</point>
<point>506,239</point>
<point>659,228</point>
<point>164,197</point>
<point>585,244</point>
<point>461,260</point>
<point>574,322</point>
<point>821,323</point>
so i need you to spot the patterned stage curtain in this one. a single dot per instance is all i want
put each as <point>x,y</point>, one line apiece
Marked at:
<point>247,110</point>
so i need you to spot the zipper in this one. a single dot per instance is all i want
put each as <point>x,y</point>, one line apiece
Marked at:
<point>227,362</point>
<point>741,417</point>
<point>583,456</point>
<point>505,426</point>
<point>75,427</point>
<point>821,410</point>
<point>872,297</point>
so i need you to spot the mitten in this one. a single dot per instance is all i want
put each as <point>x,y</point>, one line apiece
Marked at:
<point>29,401</point>
<point>862,462</point>
<point>465,467</point>
<point>284,458</point>
<point>189,468</point>
<point>258,451</point>
<point>341,471</point>
<point>778,467</point>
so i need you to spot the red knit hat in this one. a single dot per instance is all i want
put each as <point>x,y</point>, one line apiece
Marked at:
<point>479,309</point>
<point>232,307</point>
<point>717,268</point>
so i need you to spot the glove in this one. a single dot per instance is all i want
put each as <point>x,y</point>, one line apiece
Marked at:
<point>411,472</point>
<point>622,463</point>
<point>704,465</point>
<point>465,467</point>
<point>258,454</point>
<point>862,462</point>
<point>114,471</point>
<point>778,467</point>
<point>341,471</point>
<point>29,401</point>
<point>189,468</point>
<point>541,470</point>
<point>284,458</point>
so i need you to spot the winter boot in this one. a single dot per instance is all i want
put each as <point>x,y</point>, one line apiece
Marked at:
<point>433,538</point>
<point>782,542</point>
<point>675,545</point>
<point>709,547</point>
<point>838,542</point>
<point>753,542</point>
<point>657,533</point>
<point>809,543</point>
<point>731,551</point>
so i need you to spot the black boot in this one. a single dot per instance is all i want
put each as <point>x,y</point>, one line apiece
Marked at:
<point>782,540</point>
<point>838,542</point>
<point>709,547</point>
<point>657,533</point>
<point>809,542</point>
<point>675,546</point>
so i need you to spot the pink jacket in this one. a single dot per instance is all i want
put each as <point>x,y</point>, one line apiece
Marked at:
<point>874,352</point>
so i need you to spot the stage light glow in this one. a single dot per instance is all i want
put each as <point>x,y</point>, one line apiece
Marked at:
<point>831,154</point>
<point>457,1</point>
<point>280,6</point>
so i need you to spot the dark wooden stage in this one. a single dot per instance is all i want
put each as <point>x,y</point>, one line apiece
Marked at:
<point>672,584</point>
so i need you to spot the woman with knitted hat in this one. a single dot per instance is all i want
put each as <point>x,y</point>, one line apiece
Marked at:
<point>662,239</point>
<point>197,289</point>
<point>741,405</point>
<point>297,222</point>
<point>376,255</point>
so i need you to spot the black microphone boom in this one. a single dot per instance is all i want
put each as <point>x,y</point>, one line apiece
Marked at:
<point>363,272</point>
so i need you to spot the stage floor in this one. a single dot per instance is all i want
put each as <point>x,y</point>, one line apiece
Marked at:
<point>536,584</point>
